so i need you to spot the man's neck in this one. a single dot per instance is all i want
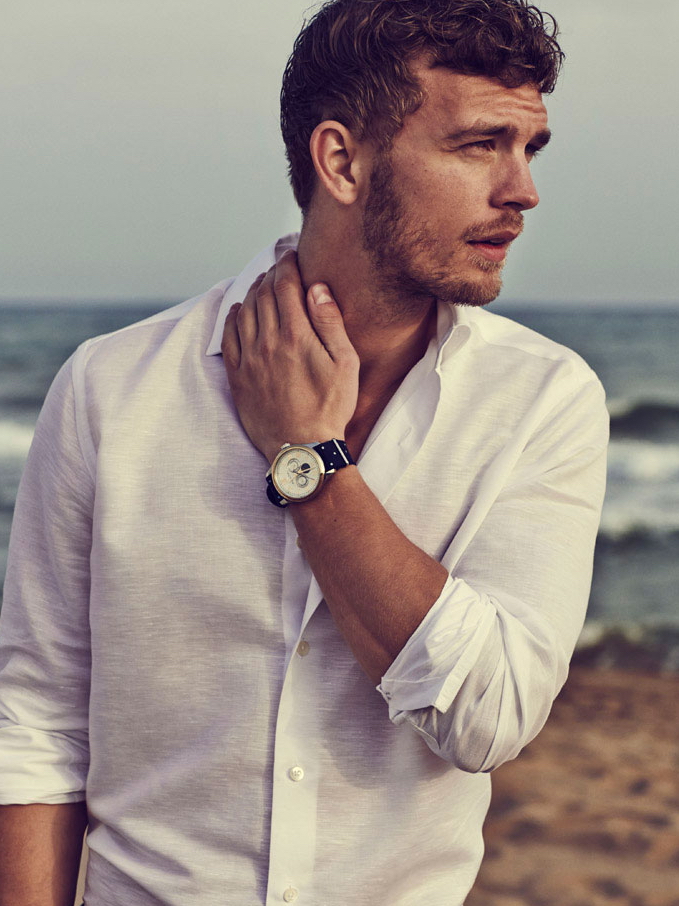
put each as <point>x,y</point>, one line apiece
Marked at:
<point>387,339</point>
<point>388,346</point>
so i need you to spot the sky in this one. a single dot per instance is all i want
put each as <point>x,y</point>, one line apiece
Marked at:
<point>140,156</point>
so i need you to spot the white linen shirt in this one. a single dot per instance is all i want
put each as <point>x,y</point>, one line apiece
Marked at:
<point>166,651</point>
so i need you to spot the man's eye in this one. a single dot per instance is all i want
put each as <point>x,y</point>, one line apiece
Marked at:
<point>532,152</point>
<point>484,145</point>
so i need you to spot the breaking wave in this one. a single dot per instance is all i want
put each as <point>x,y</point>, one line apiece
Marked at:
<point>15,439</point>
<point>644,419</point>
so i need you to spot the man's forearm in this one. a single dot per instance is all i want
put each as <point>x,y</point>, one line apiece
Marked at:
<point>378,585</point>
<point>40,848</point>
<point>295,377</point>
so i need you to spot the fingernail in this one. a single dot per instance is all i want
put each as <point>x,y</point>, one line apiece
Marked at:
<point>320,294</point>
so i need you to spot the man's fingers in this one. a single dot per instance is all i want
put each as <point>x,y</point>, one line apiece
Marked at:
<point>277,300</point>
<point>231,340</point>
<point>265,301</point>
<point>327,321</point>
<point>290,295</point>
<point>246,316</point>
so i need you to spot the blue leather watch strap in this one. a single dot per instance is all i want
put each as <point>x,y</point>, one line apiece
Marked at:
<point>273,495</point>
<point>335,455</point>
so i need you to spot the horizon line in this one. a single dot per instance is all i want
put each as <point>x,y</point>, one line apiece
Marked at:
<point>163,302</point>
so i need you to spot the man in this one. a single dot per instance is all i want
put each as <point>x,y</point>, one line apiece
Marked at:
<point>195,645</point>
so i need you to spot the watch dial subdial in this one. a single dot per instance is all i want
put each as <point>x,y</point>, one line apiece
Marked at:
<point>297,473</point>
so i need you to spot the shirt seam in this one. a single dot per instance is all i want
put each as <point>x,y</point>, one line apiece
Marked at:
<point>85,444</point>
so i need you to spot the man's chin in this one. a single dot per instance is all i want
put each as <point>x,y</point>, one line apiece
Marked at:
<point>474,293</point>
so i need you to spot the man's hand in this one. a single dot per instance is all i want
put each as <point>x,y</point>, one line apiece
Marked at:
<point>292,370</point>
<point>294,378</point>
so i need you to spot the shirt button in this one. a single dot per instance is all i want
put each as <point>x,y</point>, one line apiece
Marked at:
<point>296,774</point>
<point>290,895</point>
<point>303,648</point>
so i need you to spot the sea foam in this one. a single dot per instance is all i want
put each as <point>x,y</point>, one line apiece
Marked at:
<point>15,439</point>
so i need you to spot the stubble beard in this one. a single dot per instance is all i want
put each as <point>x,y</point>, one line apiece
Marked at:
<point>410,265</point>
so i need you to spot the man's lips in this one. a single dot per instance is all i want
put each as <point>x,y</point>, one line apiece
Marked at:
<point>494,246</point>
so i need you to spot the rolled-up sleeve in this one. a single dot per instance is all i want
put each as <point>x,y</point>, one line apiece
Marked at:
<point>478,677</point>
<point>44,624</point>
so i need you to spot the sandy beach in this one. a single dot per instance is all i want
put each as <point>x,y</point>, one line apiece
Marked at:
<point>588,814</point>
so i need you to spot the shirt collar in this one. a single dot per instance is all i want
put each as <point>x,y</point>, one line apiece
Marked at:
<point>238,289</point>
<point>451,319</point>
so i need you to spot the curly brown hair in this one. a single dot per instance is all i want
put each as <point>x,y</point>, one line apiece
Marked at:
<point>350,63</point>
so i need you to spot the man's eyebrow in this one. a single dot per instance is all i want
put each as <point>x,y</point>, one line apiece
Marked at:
<point>542,138</point>
<point>489,130</point>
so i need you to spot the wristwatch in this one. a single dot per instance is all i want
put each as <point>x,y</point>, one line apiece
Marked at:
<point>299,470</point>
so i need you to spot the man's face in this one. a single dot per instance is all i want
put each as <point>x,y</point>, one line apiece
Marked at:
<point>445,201</point>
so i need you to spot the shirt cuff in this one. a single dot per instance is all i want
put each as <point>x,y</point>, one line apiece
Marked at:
<point>37,766</point>
<point>436,659</point>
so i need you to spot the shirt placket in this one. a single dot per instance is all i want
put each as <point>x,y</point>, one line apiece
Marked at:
<point>295,783</point>
<point>293,839</point>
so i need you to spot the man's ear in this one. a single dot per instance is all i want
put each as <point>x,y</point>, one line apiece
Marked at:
<point>340,161</point>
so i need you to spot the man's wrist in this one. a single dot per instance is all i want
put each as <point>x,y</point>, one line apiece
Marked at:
<point>299,471</point>
<point>302,439</point>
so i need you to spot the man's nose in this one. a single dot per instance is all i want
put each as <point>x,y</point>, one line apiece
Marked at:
<point>515,187</point>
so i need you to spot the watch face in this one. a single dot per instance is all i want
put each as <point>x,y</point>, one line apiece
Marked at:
<point>297,472</point>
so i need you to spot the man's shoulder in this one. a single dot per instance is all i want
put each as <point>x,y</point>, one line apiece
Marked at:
<point>193,322</point>
<point>499,331</point>
<point>188,325</point>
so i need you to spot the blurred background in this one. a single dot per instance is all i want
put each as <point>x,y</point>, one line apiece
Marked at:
<point>141,163</point>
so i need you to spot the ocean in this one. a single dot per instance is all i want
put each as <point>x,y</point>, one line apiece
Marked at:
<point>633,617</point>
